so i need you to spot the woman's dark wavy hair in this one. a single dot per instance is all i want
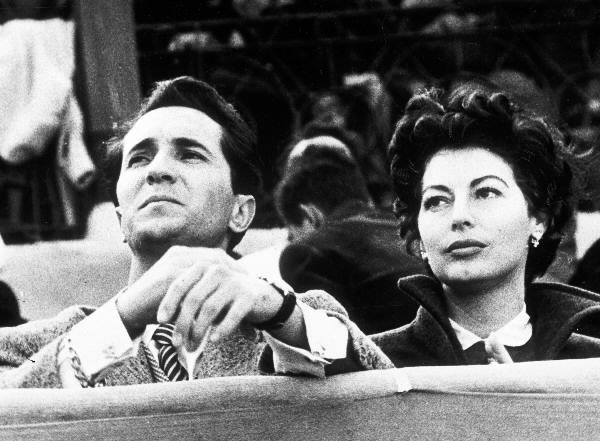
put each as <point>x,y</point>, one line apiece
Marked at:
<point>534,148</point>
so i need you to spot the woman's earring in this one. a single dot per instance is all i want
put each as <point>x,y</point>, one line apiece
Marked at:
<point>535,238</point>
<point>422,251</point>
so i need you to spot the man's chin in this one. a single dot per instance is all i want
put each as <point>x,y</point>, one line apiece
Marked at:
<point>157,234</point>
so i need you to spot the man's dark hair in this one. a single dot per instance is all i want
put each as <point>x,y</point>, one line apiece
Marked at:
<point>322,176</point>
<point>472,115</point>
<point>238,141</point>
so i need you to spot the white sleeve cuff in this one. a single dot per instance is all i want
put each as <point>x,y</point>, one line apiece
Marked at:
<point>100,339</point>
<point>327,339</point>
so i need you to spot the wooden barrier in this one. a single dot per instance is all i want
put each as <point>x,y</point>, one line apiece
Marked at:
<point>549,400</point>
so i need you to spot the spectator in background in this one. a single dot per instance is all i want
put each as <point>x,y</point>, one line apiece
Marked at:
<point>362,107</point>
<point>317,133</point>
<point>587,273</point>
<point>10,313</point>
<point>340,242</point>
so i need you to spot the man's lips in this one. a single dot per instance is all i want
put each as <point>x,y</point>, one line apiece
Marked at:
<point>159,198</point>
<point>465,244</point>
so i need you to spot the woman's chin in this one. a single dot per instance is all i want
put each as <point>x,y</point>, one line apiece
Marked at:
<point>465,275</point>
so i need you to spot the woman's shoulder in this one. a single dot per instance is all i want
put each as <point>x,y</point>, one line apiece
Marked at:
<point>580,346</point>
<point>562,291</point>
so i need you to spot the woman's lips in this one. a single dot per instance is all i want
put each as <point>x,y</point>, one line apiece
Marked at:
<point>465,247</point>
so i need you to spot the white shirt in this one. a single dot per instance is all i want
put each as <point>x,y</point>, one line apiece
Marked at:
<point>516,332</point>
<point>101,340</point>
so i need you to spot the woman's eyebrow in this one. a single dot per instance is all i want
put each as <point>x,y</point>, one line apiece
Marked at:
<point>483,178</point>
<point>435,187</point>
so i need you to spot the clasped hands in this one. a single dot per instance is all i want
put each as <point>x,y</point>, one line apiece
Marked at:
<point>195,288</point>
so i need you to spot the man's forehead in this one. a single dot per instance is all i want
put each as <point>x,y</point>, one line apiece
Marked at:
<point>174,122</point>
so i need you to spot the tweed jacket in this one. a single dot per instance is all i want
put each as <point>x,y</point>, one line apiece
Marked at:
<point>565,320</point>
<point>28,353</point>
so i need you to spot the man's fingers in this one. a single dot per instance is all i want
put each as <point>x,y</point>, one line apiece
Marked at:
<point>178,290</point>
<point>212,310</point>
<point>496,351</point>
<point>237,312</point>
<point>192,303</point>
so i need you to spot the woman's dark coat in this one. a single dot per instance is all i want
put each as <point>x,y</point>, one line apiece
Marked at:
<point>565,319</point>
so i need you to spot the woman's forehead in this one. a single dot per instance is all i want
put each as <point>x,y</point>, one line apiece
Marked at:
<point>464,165</point>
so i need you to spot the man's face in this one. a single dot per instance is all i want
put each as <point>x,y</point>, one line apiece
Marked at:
<point>174,187</point>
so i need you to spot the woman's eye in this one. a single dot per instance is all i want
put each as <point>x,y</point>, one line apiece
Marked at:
<point>435,202</point>
<point>487,193</point>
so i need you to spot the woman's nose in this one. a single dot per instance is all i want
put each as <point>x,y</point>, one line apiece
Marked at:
<point>160,169</point>
<point>461,213</point>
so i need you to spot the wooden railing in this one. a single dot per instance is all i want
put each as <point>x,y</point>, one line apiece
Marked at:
<point>540,400</point>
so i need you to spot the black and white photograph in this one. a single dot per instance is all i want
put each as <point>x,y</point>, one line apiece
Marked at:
<point>299,220</point>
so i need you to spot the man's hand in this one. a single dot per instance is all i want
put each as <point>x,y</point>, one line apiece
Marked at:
<point>195,288</point>
<point>219,294</point>
<point>137,306</point>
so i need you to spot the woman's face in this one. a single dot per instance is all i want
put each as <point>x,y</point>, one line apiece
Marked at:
<point>474,221</point>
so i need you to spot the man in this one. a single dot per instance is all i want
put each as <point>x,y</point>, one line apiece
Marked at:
<point>340,242</point>
<point>183,175</point>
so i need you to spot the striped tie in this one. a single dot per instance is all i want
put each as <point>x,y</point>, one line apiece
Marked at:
<point>167,355</point>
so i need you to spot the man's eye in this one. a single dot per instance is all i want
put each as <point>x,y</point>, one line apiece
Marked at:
<point>435,203</point>
<point>487,193</point>
<point>192,155</point>
<point>137,160</point>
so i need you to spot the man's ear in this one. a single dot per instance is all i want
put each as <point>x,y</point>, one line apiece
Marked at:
<point>242,214</point>
<point>312,215</point>
<point>119,213</point>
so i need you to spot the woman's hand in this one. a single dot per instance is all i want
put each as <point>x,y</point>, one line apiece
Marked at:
<point>496,351</point>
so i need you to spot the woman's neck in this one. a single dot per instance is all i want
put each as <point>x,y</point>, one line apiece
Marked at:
<point>485,308</point>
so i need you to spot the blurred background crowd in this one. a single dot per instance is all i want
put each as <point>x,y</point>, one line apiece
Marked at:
<point>297,70</point>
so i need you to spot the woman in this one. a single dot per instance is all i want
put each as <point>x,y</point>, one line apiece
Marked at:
<point>483,192</point>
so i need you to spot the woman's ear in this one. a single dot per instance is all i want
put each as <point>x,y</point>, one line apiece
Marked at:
<point>242,213</point>
<point>538,225</point>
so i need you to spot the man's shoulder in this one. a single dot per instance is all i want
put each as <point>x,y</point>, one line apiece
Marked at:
<point>52,326</point>
<point>319,299</point>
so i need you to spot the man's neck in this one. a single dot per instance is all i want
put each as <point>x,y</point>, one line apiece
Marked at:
<point>486,308</point>
<point>139,265</point>
<point>142,261</point>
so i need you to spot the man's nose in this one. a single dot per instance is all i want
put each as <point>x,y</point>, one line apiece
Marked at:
<point>462,215</point>
<point>160,169</point>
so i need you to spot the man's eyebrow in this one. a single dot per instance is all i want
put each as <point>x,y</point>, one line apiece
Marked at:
<point>144,144</point>
<point>191,142</point>
<point>483,178</point>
